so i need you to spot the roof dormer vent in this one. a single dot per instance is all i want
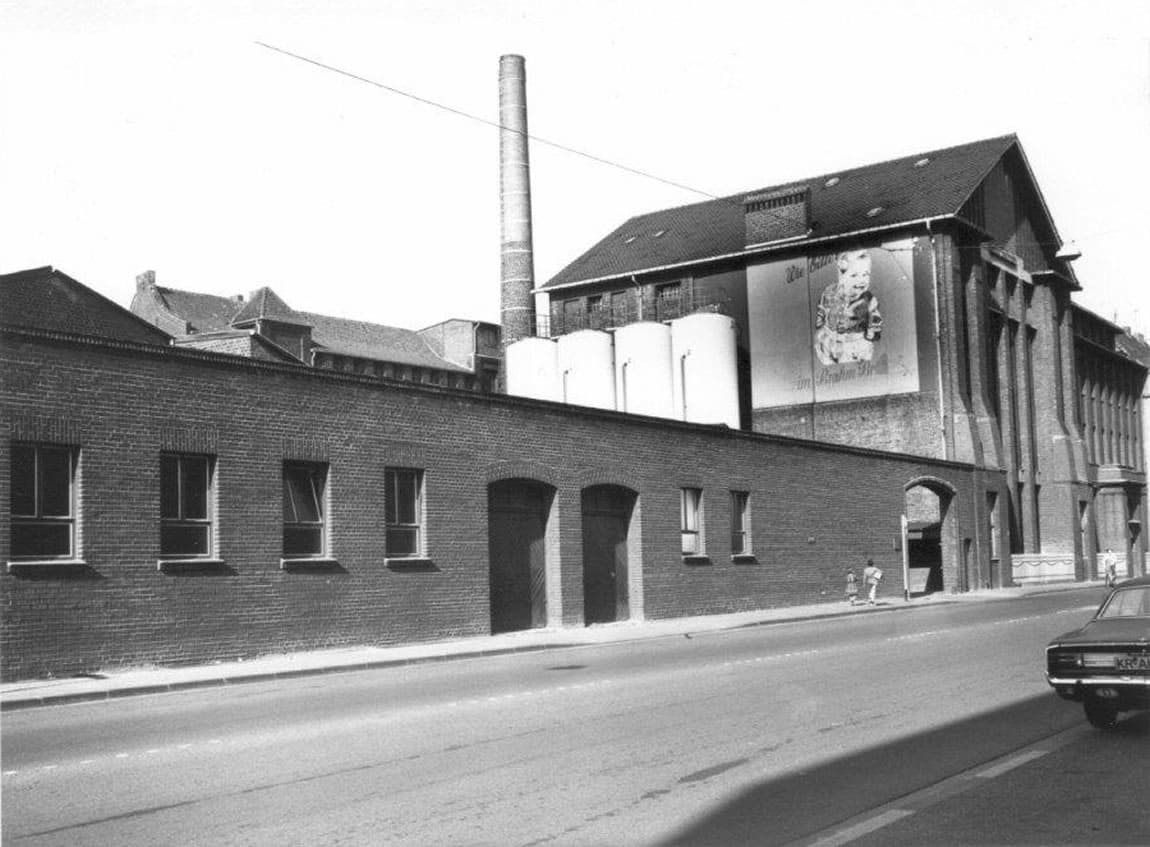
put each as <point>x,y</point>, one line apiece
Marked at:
<point>777,215</point>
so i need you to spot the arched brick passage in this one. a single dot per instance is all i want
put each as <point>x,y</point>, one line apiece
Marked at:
<point>931,538</point>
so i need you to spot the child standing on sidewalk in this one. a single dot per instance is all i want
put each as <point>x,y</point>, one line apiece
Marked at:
<point>852,587</point>
<point>871,576</point>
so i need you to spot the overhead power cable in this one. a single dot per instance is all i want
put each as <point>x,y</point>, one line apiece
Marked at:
<point>496,124</point>
<point>565,148</point>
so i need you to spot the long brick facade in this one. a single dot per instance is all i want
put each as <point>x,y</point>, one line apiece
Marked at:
<point>815,509</point>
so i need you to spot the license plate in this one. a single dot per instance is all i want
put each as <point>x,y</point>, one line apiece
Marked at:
<point>1133,663</point>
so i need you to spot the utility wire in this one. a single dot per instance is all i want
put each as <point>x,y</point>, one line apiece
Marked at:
<point>495,124</point>
<point>572,150</point>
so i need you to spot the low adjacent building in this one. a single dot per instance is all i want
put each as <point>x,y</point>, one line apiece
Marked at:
<point>459,353</point>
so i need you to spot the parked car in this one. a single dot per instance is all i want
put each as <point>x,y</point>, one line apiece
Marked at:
<point>1105,665</point>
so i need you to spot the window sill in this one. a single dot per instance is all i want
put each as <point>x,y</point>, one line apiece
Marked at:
<point>318,563</point>
<point>17,565</point>
<point>696,559</point>
<point>744,558</point>
<point>190,564</point>
<point>410,563</point>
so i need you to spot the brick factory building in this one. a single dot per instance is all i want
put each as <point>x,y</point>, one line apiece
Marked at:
<point>958,341</point>
<point>183,488</point>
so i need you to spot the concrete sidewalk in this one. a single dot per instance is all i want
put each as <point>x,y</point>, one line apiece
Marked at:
<point>150,680</point>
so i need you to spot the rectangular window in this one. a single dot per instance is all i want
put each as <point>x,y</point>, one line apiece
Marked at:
<point>740,523</point>
<point>621,308</point>
<point>668,301</point>
<point>404,512</point>
<point>43,508</point>
<point>992,519</point>
<point>691,520</point>
<point>305,484</point>
<point>573,315</point>
<point>186,505</point>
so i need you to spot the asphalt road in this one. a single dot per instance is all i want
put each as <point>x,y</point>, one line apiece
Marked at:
<point>763,735</point>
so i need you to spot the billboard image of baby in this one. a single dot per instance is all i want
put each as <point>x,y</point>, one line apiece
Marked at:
<point>848,321</point>
<point>833,326</point>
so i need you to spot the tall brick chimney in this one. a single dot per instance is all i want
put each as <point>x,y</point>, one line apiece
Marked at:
<point>517,264</point>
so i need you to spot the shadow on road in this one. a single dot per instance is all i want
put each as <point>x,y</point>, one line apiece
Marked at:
<point>799,804</point>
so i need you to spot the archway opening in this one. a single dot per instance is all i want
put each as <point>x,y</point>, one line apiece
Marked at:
<point>929,527</point>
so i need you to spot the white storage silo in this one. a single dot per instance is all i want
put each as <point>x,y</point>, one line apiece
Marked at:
<point>532,368</point>
<point>586,362</point>
<point>643,369</point>
<point>705,369</point>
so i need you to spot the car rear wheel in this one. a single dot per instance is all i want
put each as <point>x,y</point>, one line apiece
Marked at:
<point>1101,715</point>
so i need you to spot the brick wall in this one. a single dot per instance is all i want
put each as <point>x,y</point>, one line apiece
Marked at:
<point>815,509</point>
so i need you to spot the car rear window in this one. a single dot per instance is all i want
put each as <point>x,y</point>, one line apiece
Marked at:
<point>1128,603</point>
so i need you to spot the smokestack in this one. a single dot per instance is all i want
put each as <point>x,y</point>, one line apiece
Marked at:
<point>516,258</point>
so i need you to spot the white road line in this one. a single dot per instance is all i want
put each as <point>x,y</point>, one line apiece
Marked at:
<point>930,796</point>
<point>1011,764</point>
<point>863,828</point>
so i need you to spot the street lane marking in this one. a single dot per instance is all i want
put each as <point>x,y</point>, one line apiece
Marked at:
<point>932,795</point>
<point>1011,764</point>
<point>863,828</point>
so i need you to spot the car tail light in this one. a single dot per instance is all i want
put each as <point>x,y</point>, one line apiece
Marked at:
<point>1068,660</point>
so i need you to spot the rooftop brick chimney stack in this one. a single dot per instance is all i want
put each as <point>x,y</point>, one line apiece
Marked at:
<point>516,259</point>
<point>145,281</point>
<point>777,215</point>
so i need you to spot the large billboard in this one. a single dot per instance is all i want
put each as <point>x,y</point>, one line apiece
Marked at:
<point>833,326</point>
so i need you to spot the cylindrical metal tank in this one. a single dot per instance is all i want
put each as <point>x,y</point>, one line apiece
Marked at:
<point>643,369</point>
<point>705,370</point>
<point>587,369</point>
<point>532,368</point>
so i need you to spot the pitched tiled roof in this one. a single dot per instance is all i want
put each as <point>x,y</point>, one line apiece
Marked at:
<point>49,300</point>
<point>716,228</point>
<point>375,341</point>
<point>205,312</point>
<point>211,313</point>
<point>265,304</point>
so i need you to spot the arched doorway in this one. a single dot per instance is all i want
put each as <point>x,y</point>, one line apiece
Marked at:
<point>607,511</point>
<point>930,537</point>
<point>518,511</point>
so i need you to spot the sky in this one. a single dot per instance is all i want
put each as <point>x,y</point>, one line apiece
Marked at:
<point>165,136</point>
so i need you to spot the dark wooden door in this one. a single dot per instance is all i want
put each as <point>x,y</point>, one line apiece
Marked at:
<point>517,548</point>
<point>606,520</point>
